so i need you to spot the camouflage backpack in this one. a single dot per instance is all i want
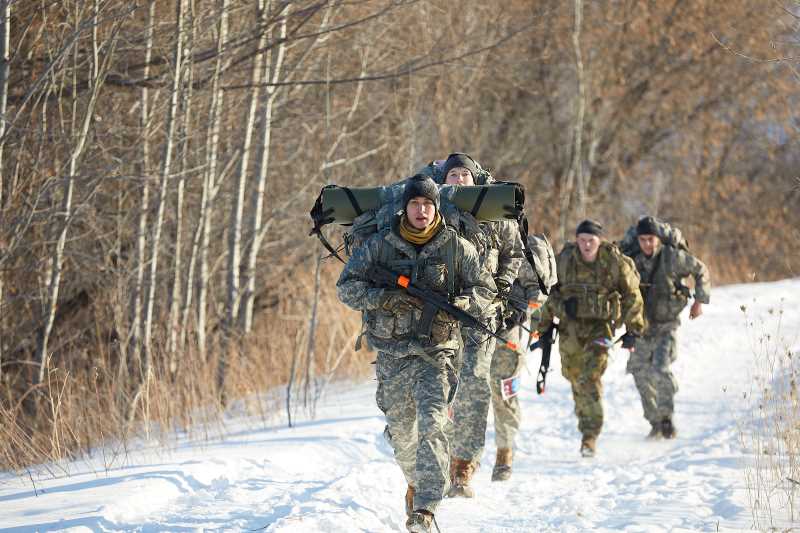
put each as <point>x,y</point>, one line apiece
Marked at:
<point>544,258</point>
<point>669,235</point>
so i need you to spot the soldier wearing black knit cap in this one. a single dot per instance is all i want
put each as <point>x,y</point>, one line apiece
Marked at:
<point>414,368</point>
<point>597,291</point>
<point>663,269</point>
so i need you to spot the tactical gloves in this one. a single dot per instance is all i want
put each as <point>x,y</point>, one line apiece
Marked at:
<point>503,288</point>
<point>514,316</point>
<point>396,301</point>
<point>629,341</point>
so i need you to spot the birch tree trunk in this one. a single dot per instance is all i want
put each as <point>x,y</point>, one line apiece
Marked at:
<point>273,73</point>
<point>158,223</point>
<point>577,162</point>
<point>175,298</point>
<point>57,257</point>
<point>237,214</point>
<point>209,182</point>
<point>5,32</point>
<point>575,169</point>
<point>141,236</point>
<point>187,299</point>
<point>237,209</point>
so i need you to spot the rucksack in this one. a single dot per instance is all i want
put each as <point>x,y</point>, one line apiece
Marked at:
<point>370,210</point>
<point>544,260</point>
<point>669,235</point>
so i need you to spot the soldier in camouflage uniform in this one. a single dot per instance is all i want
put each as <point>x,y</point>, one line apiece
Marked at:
<point>499,246</point>
<point>597,290</point>
<point>663,268</point>
<point>415,372</point>
<point>524,306</point>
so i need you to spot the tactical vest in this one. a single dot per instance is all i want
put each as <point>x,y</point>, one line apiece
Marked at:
<point>596,297</point>
<point>403,322</point>
<point>664,295</point>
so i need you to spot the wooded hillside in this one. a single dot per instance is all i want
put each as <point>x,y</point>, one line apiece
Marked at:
<point>158,160</point>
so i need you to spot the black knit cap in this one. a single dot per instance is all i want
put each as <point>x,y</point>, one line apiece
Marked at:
<point>420,185</point>
<point>647,226</point>
<point>591,227</point>
<point>459,159</point>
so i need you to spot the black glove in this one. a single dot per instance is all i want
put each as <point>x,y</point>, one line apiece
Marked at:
<point>629,341</point>
<point>571,308</point>
<point>503,288</point>
<point>514,317</point>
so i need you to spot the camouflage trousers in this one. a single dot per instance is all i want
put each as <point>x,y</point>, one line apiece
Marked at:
<point>413,393</point>
<point>507,413</point>
<point>583,363</point>
<point>649,364</point>
<point>471,405</point>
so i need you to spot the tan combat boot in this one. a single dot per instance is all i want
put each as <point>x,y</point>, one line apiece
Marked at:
<point>502,465</point>
<point>462,474</point>
<point>588,446</point>
<point>409,500</point>
<point>419,521</point>
<point>655,431</point>
<point>668,429</point>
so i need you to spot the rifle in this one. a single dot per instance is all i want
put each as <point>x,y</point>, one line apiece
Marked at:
<point>545,342</point>
<point>432,302</point>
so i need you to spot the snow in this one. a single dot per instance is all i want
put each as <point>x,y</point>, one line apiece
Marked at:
<point>336,473</point>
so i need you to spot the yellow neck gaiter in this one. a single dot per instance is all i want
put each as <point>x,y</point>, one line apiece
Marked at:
<point>419,236</point>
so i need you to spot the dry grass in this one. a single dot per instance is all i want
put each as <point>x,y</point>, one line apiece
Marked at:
<point>83,405</point>
<point>772,431</point>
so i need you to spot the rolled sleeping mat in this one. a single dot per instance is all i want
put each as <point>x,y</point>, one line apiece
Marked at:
<point>341,205</point>
<point>498,201</point>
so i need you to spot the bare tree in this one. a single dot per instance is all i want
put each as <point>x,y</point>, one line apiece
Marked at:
<point>137,291</point>
<point>176,336</point>
<point>210,179</point>
<point>155,243</point>
<point>273,67</point>
<point>54,269</point>
<point>5,44</point>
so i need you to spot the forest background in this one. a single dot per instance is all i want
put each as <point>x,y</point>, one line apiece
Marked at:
<point>158,160</point>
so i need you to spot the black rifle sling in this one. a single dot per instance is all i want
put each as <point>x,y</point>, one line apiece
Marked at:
<point>353,201</point>
<point>479,201</point>
<point>523,233</point>
<point>322,218</point>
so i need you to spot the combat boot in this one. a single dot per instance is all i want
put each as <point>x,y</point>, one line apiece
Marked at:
<point>667,429</point>
<point>502,465</point>
<point>655,431</point>
<point>409,500</point>
<point>420,521</point>
<point>462,474</point>
<point>588,446</point>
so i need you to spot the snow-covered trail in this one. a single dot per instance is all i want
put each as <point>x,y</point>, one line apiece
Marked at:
<point>336,473</point>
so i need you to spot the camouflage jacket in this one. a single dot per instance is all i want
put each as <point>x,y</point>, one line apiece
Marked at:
<point>391,318</point>
<point>662,283</point>
<point>606,290</point>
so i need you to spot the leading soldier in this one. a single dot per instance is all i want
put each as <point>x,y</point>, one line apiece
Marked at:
<point>413,367</point>
<point>597,291</point>
<point>663,268</point>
